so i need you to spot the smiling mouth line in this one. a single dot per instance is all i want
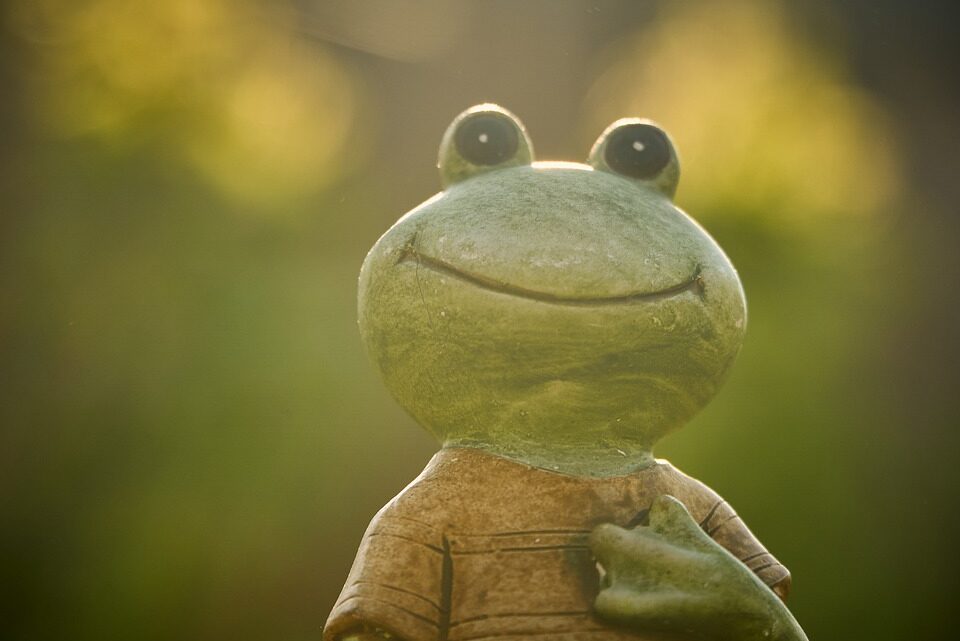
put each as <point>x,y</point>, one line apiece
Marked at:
<point>694,284</point>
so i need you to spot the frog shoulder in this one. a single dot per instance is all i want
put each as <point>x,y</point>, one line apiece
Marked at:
<point>431,501</point>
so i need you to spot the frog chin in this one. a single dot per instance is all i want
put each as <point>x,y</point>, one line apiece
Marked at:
<point>693,283</point>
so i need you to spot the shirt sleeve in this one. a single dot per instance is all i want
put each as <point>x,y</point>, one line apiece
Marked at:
<point>395,584</point>
<point>724,525</point>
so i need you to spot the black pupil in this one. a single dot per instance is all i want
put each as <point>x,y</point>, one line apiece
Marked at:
<point>486,139</point>
<point>638,151</point>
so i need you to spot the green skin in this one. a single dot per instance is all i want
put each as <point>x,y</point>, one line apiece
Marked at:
<point>568,317</point>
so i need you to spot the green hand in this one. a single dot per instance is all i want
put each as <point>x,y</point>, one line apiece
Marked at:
<point>672,577</point>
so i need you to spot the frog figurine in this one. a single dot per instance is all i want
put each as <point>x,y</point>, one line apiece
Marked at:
<point>548,323</point>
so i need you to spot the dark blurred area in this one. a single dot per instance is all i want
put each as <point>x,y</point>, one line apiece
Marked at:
<point>191,438</point>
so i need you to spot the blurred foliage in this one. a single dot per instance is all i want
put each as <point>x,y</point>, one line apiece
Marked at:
<point>192,438</point>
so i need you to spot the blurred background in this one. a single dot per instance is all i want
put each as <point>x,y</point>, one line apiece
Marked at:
<point>191,438</point>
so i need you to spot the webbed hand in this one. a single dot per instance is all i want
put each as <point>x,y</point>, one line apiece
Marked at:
<point>672,577</point>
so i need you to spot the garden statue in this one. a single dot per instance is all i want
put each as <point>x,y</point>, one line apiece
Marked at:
<point>548,323</point>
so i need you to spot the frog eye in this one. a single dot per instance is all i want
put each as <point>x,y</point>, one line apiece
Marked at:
<point>640,150</point>
<point>486,139</point>
<point>637,150</point>
<point>480,139</point>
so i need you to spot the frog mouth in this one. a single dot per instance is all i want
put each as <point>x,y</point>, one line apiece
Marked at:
<point>692,284</point>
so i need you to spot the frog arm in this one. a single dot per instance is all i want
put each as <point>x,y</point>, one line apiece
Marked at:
<point>672,577</point>
<point>724,526</point>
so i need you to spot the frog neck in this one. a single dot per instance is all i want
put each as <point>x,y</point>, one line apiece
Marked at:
<point>594,460</point>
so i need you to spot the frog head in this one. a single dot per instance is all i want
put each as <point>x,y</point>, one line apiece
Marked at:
<point>561,314</point>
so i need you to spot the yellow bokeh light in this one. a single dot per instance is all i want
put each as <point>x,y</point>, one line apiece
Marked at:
<point>766,124</point>
<point>228,88</point>
<point>276,133</point>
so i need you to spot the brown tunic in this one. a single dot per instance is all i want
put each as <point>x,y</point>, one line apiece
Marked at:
<point>480,547</point>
